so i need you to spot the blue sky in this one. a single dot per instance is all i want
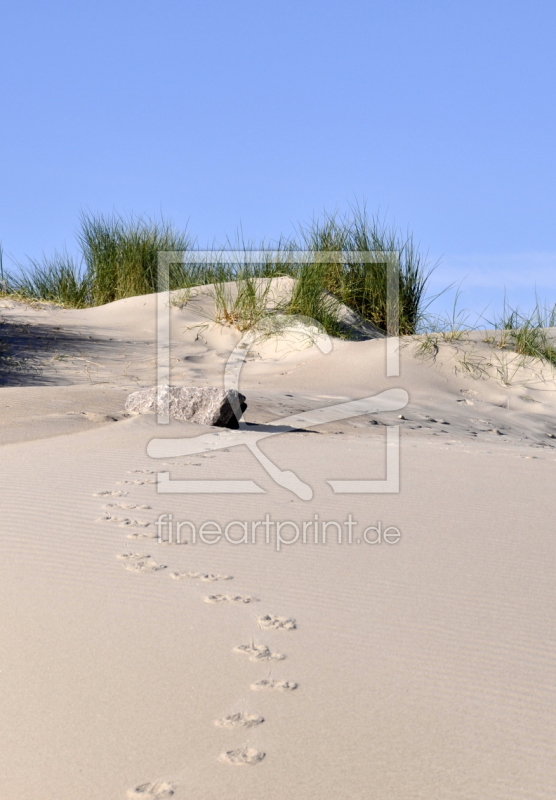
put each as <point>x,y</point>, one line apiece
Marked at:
<point>440,114</point>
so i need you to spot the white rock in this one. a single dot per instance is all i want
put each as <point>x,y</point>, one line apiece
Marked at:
<point>203,405</point>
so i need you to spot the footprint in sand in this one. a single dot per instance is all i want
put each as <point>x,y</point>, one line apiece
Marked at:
<point>142,534</point>
<point>124,522</point>
<point>127,506</point>
<point>243,757</point>
<point>274,686</point>
<point>108,493</point>
<point>132,556</point>
<point>141,471</point>
<point>151,791</point>
<point>239,720</point>
<point>277,623</point>
<point>135,483</point>
<point>179,464</point>
<point>171,541</point>
<point>229,598</point>
<point>200,576</point>
<point>258,652</point>
<point>137,562</point>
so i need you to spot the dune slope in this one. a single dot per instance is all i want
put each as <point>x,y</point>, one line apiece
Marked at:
<point>412,658</point>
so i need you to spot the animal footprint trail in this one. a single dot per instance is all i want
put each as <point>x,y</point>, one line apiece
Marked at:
<point>277,623</point>
<point>200,576</point>
<point>230,598</point>
<point>243,757</point>
<point>258,652</point>
<point>269,685</point>
<point>152,791</point>
<point>141,471</point>
<point>239,720</point>
<point>137,562</point>
<point>109,493</point>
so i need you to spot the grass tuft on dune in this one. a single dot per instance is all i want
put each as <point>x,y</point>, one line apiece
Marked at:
<point>119,259</point>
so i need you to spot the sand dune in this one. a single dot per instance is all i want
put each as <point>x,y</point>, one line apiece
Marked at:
<point>411,657</point>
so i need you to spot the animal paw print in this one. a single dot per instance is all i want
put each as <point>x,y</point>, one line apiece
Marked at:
<point>277,623</point>
<point>152,791</point>
<point>258,652</point>
<point>200,576</point>
<point>136,482</point>
<point>123,522</point>
<point>125,505</point>
<point>239,720</point>
<point>274,686</point>
<point>136,562</point>
<point>229,598</point>
<point>242,757</point>
<point>141,471</point>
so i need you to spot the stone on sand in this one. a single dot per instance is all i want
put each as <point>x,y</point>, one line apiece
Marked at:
<point>203,405</point>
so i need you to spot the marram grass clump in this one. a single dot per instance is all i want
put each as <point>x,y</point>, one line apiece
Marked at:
<point>120,259</point>
<point>361,286</point>
<point>526,333</point>
<point>56,280</point>
<point>121,256</point>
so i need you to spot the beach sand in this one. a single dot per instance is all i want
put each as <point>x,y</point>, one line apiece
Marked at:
<point>417,660</point>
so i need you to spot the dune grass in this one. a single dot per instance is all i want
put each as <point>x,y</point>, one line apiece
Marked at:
<point>526,332</point>
<point>522,337</point>
<point>362,286</point>
<point>121,255</point>
<point>245,307</point>
<point>119,259</point>
<point>57,280</point>
<point>322,286</point>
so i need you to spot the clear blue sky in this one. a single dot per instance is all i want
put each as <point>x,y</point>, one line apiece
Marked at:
<point>438,113</point>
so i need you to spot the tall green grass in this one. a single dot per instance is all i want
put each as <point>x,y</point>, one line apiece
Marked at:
<point>121,255</point>
<point>362,286</point>
<point>120,258</point>
<point>58,279</point>
<point>323,285</point>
